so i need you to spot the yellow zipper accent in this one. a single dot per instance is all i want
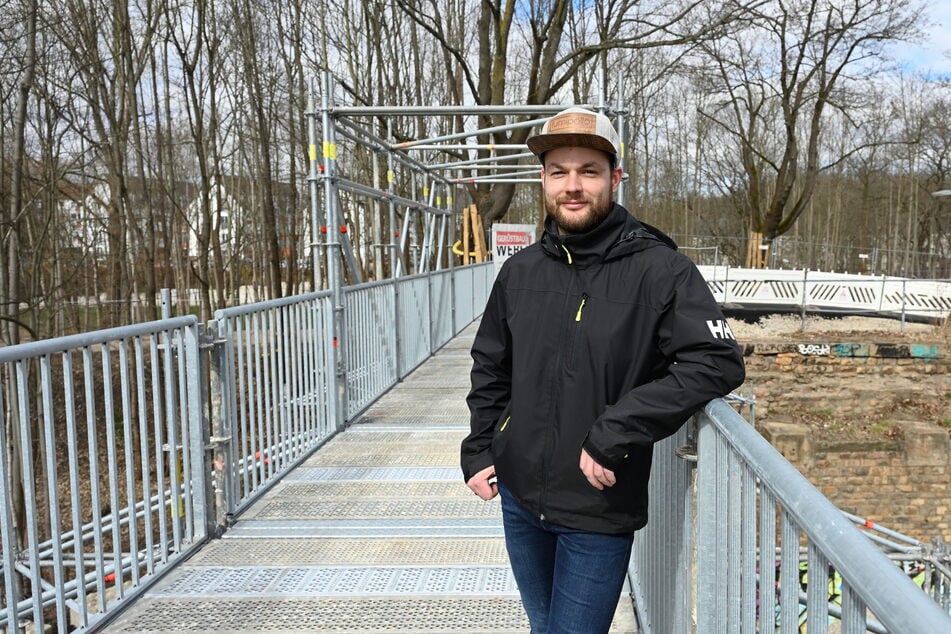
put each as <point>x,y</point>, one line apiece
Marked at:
<point>580,308</point>
<point>505,424</point>
<point>568,253</point>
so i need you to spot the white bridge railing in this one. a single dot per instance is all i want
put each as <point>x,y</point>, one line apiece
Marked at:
<point>815,291</point>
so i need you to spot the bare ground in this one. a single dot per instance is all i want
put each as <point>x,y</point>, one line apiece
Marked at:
<point>848,405</point>
<point>864,329</point>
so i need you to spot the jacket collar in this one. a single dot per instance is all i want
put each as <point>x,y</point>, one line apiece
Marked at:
<point>619,234</point>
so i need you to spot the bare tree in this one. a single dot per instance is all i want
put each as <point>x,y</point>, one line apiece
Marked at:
<point>255,53</point>
<point>109,49</point>
<point>528,52</point>
<point>11,226</point>
<point>193,34</point>
<point>10,293</point>
<point>779,78</point>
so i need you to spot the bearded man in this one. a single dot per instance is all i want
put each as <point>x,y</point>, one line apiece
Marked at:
<point>596,342</point>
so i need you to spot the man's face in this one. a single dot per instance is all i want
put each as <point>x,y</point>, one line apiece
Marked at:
<point>578,183</point>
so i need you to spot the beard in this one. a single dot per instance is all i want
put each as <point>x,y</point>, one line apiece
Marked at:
<point>574,224</point>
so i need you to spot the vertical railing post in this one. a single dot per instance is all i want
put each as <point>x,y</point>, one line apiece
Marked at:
<point>333,252</point>
<point>805,280</point>
<point>198,436</point>
<point>313,180</point>
<point>450,261</point>
<point>432,312</point>
<point>393,233</point>
<point>707,588</point>
<point>8,536</point>
<point>398,331</point>
<point>222,436</point>
<point>904,290</point>
<point>881,297</point>
<point>622,133</point>
<point>165,303</point>
<point>726,284</point>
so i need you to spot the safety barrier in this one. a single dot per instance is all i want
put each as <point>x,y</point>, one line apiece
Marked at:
<point>815,291</point>
<point>392,327</point>
<point>273,393</point>
<point>110,450</point>
<point>136,444</point>
<point>762,533</point>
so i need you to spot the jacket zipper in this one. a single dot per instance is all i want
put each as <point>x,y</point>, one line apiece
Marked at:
<point>550,436</point>
<point>584,299</point>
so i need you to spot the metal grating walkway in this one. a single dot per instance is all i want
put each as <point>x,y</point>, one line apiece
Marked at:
<point>374,533</point>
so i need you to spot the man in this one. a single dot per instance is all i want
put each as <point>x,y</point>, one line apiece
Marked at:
<point>596,342</point>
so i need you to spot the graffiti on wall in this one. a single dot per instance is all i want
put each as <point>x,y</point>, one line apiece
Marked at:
<point>814,349</point>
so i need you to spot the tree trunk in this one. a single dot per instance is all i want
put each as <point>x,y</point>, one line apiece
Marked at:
<point>11,299</point>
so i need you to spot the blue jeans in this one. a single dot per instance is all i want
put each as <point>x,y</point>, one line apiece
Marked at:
<point>569,580</point>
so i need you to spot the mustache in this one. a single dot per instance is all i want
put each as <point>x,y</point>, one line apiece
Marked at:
<point>573,199</point>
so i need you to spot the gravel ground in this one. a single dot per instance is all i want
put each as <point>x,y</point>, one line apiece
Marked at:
<point>847,404</point>
<point>871,329</point>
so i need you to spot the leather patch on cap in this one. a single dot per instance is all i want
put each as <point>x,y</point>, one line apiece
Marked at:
<point>573,123</point>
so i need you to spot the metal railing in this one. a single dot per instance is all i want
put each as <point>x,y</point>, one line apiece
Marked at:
<point>104,437</point>
<point>762,533</point>
<point>928,565</point>
<point>161,433</point>
<point>132,446</point>
<point>273,393</point>
<point>393,327</point>
<point>815,291</point>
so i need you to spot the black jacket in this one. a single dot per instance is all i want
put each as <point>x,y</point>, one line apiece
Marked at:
<point>608,341</point>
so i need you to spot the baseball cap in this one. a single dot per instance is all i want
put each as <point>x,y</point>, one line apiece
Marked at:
<point>577,127</point>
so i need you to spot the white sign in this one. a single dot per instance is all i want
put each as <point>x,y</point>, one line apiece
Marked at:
<point>507,240</point>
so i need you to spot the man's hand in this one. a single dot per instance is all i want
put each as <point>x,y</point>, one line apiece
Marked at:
<point>597,476</point>
<point>480,483</point>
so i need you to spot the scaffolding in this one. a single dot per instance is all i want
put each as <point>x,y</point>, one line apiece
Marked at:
<point>418,202</point>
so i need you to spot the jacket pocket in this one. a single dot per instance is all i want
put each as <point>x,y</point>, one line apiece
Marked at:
<point>502,434</point>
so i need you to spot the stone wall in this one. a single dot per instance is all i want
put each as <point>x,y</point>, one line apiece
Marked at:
<point>899,479</point>
<point>901,483</point>
<point>823,358</point>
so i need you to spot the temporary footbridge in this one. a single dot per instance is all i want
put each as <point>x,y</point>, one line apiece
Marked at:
<point>244,475</point>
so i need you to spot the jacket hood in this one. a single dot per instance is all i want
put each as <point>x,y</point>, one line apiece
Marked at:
<point>618,235</point>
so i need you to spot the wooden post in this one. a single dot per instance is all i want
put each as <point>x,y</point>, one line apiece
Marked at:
<point>478,235</point>
<point>754,254</point>
<point>465,236</point>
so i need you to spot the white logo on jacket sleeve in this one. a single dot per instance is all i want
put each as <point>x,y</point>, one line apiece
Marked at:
<point>720,329</point>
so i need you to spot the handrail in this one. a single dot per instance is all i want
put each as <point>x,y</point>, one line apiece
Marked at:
<point>107,425</point>
<point>897,602</point>
<point>270,304</point>
<point>181,425</point>
<point>43,347</point>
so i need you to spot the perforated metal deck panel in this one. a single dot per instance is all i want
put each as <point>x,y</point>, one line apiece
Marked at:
<point>357,474</point>
<point>376,532</point>
<point>383,510</point>
<point>310,551</point>
<point>378,434</point>
<point>355,615</point>
<point>368,489</point>
<point>338,581</point>
<point>409,527</point>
